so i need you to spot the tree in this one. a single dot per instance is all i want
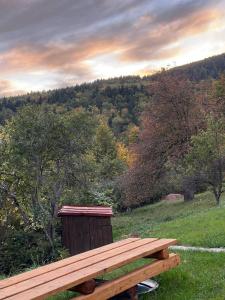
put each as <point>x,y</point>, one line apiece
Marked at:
<point>168,123</point>
<point>206,158</point>
<point>105,152</point>
<point>43,158</point>
<point>217,100</point>
<point>220,88</point>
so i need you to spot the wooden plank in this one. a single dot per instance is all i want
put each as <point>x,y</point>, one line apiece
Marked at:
<point>85,211</point>
<point>78,240</point>
<point>99,268</point>
<point>62,263</point>
<point>119,285</point>
<point>63,271</point>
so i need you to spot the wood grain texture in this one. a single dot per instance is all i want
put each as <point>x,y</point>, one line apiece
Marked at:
<point>85,211</point>
<point>65,282</point>
<point>71,268</point>
<point>62,263</point>
<point>119,285</point>
<point>83,233</point>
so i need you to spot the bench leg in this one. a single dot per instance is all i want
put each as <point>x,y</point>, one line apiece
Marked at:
<point>85,288</point>
<point>123,283</point>
<point>132,292</point>
<point>162,254</point>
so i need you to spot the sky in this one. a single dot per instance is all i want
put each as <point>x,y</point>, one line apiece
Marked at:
<point>47,44</point>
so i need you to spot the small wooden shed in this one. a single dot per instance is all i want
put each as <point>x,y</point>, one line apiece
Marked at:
<point>85,228</point>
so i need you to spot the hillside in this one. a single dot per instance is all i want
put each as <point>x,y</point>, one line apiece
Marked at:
<point>198,223</point>
<point>184,220</point>
<point>120,100</point>
<point>208,68</point>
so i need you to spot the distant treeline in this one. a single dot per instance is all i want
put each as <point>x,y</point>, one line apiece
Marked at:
<point>209,68</point>
<point>120,100</point>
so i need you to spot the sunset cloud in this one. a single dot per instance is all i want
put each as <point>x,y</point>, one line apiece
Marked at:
<point>58,57</point>
<point>158,43</point>
<point>5,87</point>
<point>59,42</point>
<point>8,89</point>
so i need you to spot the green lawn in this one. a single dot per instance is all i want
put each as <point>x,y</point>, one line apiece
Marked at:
<point>200,276</point>
<point>198,223</point>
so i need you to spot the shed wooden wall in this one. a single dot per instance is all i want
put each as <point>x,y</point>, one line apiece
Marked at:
<point>83,233</point>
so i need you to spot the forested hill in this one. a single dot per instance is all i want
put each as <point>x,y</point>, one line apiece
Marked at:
<point>120,99</point>
<point>204,69</point>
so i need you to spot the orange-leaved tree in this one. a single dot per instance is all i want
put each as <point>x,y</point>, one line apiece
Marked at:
<point>171,118</point>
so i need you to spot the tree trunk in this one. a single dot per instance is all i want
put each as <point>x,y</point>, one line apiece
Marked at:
<point>218,200</point>
<point>188,188</point>
<point>217,191</point>
<point>189,194</point>
<point>217,195</point>
<point>22,212</point>
<point>50,240</point>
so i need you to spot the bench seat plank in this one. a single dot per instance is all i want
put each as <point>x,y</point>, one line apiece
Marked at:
<point>54,274</point>
<point>99,268</point>
<point>123,283</point>
<point>62,263</point>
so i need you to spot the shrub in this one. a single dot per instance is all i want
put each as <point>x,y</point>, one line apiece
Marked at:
<point>22,250</point>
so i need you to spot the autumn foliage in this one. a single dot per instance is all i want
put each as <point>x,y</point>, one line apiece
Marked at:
<point>171,118</point>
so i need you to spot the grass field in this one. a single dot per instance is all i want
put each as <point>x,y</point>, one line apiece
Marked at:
<point>198,223</point>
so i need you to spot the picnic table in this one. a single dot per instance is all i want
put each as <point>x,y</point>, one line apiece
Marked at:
<point>78,272</point>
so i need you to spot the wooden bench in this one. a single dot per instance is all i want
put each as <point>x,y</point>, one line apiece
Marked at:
<point>77,272</point>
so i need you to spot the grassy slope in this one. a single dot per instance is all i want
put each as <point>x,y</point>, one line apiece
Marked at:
<point>199,223</point>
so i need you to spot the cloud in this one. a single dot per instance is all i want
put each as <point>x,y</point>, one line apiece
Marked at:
<point>158,43</point>
<point>62,37</point>
<point>148,38</point>
<point>5,87</point>
<point>42,21</point>
<point>8,89</point>
<point>69,59</point>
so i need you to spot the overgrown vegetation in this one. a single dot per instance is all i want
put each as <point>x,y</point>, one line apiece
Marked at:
<point>48,159</point>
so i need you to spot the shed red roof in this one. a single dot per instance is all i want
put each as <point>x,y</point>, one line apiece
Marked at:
<point>97,211</point>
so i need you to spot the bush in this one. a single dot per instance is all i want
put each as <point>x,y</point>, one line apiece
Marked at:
<point>22,250</point>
